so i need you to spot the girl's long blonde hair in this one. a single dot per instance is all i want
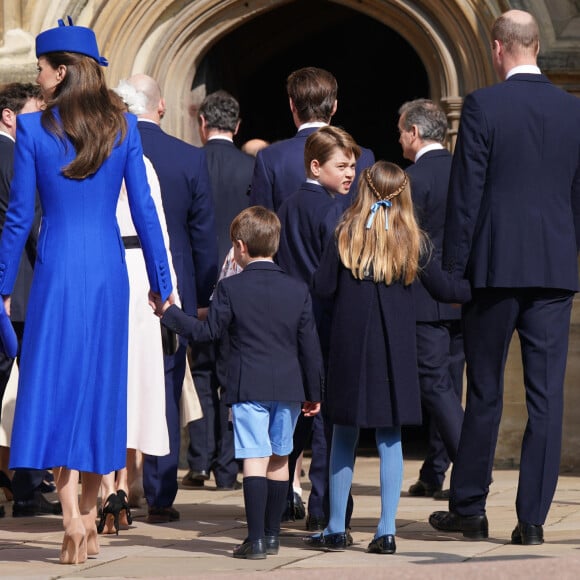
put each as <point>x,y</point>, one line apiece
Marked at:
<point>378,236</point>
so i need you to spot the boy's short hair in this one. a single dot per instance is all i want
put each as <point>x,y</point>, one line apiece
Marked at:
<point>259,228</point>
<point>313,92</point>
<point>322,143</point>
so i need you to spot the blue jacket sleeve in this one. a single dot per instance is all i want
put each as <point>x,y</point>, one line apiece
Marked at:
<point>261,187</point>
<point>20,215</point>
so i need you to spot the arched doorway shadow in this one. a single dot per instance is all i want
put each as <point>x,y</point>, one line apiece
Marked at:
<point>376,68</point>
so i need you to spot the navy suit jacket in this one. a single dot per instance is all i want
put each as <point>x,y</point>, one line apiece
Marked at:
<point>274,353</point>
<point>429,178</point>
<point>189,212</point>
<point>230,173</point>
<point>513,208</point>
<point>279,171</point>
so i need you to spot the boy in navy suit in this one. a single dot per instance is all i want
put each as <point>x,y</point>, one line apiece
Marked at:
<point>274,367</point>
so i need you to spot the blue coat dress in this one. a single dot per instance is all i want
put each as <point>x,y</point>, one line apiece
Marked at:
<point>71,408</point>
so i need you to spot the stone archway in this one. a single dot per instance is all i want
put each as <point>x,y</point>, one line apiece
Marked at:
<point>168,38</point>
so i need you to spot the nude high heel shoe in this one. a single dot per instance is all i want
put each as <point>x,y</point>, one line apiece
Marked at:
<point>74,544</point>
<point>91,533</point>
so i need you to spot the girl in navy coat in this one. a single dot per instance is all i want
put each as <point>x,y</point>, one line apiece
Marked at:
<point>372,370</point>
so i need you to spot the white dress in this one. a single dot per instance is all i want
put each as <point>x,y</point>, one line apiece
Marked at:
<point>146,421</point>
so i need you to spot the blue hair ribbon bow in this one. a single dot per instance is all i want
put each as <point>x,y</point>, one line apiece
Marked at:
<point>374,208</point>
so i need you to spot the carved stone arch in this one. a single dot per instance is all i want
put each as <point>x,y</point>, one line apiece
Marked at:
<point>168,38</point>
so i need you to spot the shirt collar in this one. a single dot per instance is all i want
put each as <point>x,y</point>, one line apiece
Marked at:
<point>7,135</point>
<point>312,124</point>
<point>524,69</point>
<point>222,137</point>
<point>427,148</point>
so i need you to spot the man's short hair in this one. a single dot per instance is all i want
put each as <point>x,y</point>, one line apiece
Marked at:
<point>517,36</point>
<point>313,92</point>
<point>427,116</point>
<point>220,111</point>
<point>259,229</point>
<point>14,96</point>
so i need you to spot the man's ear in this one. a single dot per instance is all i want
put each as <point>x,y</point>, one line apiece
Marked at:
<point>237,127</point>
<point>334,108</point>
<point>8,117</point>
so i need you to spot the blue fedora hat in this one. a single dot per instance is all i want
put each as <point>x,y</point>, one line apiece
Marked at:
<point>69,39</point>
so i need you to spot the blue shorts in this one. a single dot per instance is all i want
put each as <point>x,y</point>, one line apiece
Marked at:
<point>263,428</point>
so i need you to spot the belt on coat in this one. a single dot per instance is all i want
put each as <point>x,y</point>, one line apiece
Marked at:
<point>131,242</point>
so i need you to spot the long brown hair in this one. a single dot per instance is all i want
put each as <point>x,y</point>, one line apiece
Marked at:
<point>384,244</point>
<point>89,118</point>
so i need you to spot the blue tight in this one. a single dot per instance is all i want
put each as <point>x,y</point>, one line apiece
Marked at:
<point>342,454</point>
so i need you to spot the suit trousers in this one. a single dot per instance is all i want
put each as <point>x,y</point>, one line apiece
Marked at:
<point>541,318</point>
<point>160,473</point>
<point>440,360</point>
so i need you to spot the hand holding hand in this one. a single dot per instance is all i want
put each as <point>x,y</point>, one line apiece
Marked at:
<point>310,409</point>
<point>159,307</point>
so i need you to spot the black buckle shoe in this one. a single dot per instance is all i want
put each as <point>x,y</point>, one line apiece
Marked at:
<point>422,489</point>
<point>251,550</point>
<point>383,545</point>
<point>328,543</point>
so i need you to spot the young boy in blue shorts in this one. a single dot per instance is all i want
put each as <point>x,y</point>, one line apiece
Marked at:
<point>274,367</point>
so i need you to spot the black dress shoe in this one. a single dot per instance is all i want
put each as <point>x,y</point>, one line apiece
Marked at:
<point>528,534</point>
<point>37,506</point>
<point>473,527</point>
<point>299,508</point>
<point>422,489</point>
<point>383,545</point>
<point>162,515</point>
<point>315,523</point>
<point>251,550</point>
<point>235,486</point>
<point>328,543</point>
<point>441,494</point>
<point>272,545</point>
<point>195,478</point>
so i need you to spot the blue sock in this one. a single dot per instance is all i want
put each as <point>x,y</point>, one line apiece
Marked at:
<point>391,458</point>
<point>344,442</point>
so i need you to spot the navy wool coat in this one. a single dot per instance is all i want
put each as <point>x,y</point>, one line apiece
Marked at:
<point>372,368</point>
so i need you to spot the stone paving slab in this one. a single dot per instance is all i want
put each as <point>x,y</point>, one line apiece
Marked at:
<point>212,522</point>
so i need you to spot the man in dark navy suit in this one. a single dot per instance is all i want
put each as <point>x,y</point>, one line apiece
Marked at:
<point>189,214</point>
<point>211,443</point>
<point>513,230</point>
<point>279,169</point>
<point>16,99</point>
<point>278,173</point>
<point>440,358</point>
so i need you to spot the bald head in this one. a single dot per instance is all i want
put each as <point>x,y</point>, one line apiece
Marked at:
<point>518,31</point>
<point>154,103</point>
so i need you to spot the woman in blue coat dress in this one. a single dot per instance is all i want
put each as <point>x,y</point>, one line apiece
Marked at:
<point>71,406</point>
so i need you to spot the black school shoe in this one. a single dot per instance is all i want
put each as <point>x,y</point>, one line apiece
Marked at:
<point>251,550</point>
<point>383,545</point>
<point>329,542</point>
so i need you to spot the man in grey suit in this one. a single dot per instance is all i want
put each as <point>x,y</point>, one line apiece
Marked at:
<point>440,358</point>
<point>513,230</point>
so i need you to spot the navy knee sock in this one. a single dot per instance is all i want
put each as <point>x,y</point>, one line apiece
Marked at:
<point>275,505</point>
<point>255,497</point>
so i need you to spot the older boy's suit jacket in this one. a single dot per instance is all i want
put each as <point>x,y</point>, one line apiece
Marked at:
<point>513,211</point>
<point>274,352</point>
<point>279,171</point>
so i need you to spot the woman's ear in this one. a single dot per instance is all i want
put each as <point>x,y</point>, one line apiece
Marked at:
<point>61,72</point>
